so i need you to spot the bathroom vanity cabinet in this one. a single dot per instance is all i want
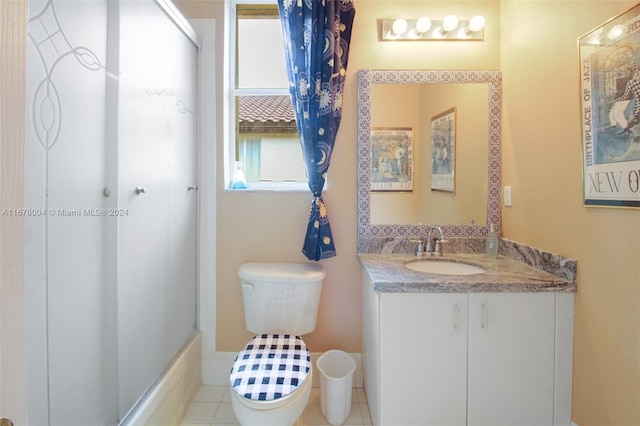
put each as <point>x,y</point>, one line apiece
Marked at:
<point>443,348</point>
<point>467,358</point>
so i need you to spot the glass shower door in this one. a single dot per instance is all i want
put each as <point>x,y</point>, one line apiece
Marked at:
<point>157,155</point>
<point>69,299</point>
<point>111,197</point>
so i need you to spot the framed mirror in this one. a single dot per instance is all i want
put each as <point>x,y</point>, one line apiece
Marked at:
<point>429,152</point>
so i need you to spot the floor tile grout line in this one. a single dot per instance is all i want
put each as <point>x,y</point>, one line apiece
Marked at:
<point>357,395</point>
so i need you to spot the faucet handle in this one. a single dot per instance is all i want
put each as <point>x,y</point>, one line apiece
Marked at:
<point>419,250</point>
<point>438,249</point>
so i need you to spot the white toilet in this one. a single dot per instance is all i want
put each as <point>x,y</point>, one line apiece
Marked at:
<point>271,377</point>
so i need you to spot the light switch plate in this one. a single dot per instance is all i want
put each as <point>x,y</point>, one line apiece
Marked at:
<point>507,196</point>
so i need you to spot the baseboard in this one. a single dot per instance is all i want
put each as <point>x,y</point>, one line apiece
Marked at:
<point>167,401</point>
<point>217,365</point>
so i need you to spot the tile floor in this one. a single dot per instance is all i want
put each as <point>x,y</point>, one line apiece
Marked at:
<point>212,406</point>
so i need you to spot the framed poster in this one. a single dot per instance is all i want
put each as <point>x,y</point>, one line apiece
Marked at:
<point>609,58</point>
<point>443,147</point>
<point>391,159</point>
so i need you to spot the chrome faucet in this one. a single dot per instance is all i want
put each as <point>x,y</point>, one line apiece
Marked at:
<point>434,245</point>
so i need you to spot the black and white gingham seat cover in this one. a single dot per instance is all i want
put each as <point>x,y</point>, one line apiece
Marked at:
<point>270,366</point>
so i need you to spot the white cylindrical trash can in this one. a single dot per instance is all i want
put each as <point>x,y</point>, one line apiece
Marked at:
<point>336,379</point>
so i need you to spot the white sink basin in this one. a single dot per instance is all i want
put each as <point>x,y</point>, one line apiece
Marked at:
<point>443,267</point>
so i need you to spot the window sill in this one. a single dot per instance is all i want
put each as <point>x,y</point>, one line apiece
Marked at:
<point>273,187</point>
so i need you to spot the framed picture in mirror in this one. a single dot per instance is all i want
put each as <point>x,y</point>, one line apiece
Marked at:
<point>443,147</point>
<point>609,58</point>
<point>391,159</point>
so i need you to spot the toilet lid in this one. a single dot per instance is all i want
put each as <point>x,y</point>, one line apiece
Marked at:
<point>270,366</point>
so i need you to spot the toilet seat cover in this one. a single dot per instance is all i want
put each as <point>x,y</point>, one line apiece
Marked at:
<point>271,366</point>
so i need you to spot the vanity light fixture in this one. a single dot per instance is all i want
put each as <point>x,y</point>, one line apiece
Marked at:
<point>426,29</point>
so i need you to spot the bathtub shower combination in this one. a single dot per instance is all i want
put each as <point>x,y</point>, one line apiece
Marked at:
<point>111,197</point>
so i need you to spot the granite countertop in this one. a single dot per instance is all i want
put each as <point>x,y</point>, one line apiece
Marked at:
<point>389,275</point>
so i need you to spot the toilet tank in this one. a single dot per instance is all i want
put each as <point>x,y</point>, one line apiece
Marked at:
<point>281,298</point>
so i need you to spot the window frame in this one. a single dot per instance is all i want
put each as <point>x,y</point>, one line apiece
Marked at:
<point>232,91</point>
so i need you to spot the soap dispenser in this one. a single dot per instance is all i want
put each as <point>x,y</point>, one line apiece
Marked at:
<point>238,181</point>
<point>492,243</point>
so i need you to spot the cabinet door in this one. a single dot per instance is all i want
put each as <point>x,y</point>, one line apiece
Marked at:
<point>511,359</point>
<point>423,359</point>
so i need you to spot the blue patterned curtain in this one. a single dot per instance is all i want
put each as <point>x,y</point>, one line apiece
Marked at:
<point>316,36</point>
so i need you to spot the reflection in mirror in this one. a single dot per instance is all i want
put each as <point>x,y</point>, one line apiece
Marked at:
<point>414,100</point>
<point>416,107</point>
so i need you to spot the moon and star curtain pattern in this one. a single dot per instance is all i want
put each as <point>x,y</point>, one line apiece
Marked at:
<point>316,35</point>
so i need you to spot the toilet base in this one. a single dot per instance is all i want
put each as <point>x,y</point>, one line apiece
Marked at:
<point>250,413</point>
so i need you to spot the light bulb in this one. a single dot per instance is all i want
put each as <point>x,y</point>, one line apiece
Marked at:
<point>423,24</point>
<point>399,26</point>
<point>450,23</point>
<point>476,23</point>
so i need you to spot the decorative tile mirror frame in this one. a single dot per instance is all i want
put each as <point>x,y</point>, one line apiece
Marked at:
<point>366,78</point>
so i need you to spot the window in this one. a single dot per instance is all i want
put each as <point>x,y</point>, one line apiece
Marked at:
<point>264,136</point>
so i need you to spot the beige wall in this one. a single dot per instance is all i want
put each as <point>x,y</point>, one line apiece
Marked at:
<point>534,44</point>
<point>255,226</point>
<point>542,162</point>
